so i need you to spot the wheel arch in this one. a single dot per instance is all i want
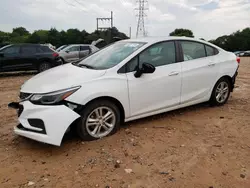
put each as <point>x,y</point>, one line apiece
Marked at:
<point>113,100</point>
<point>229,78</point>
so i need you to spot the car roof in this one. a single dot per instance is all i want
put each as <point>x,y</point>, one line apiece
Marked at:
<point>152,40</point>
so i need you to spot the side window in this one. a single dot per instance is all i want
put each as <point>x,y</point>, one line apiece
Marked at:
<point>28,50</point>
<point>192,50</point>
<point>84,48</point>
<point>131,65</point>
<point>159,54</point>
<point>74,49</point>
<point>11,50</point>
<point>210,51</point>
<point>44,49</point>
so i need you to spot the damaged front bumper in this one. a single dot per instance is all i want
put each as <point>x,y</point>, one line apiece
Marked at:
<point>44,123</point>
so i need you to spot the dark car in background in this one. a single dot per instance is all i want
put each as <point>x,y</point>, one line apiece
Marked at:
<point>245,54</point>
<point>22,57</point>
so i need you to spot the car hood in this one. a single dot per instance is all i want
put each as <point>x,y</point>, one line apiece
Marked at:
<point>58,78</point>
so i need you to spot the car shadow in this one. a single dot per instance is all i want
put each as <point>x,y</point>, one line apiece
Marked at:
<point>163,115</point>
<point>71,140</point>
<point>13,74</point>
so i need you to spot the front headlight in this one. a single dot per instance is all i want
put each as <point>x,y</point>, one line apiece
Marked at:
<point>53,97</point>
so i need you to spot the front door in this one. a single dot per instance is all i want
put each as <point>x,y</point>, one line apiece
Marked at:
<point>10,58</point>
<point>159,90</point>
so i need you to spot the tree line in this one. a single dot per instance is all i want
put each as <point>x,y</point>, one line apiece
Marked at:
<point>237,41</point>
<point>58,38</point>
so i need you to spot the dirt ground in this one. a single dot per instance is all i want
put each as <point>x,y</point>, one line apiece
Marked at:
<point>195,147</point>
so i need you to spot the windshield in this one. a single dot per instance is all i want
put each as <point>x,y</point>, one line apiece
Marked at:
<point>1,49</point>
<point>62,47</point>
<point>110,56</point>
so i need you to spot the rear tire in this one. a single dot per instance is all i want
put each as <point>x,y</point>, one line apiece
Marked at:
<point>44,66</point>
<point>99,119</point>
<point>221,92</point>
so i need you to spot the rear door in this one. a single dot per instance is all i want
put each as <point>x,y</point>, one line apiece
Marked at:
<point>72,53</point>
<point>199,71</point>
<point>10,58</point>
<point>28,56</point>
<point>84,51</point>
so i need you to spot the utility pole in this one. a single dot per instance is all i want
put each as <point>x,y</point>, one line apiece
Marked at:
<point>104,19</point>
<point>129,32</point>
<point>141,15</point>
<point>111,19</point>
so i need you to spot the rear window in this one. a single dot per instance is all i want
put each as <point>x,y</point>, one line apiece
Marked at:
<point>83,48</point>
<point>28,50</point>
<point>44,49</point>
<point>210,51</point>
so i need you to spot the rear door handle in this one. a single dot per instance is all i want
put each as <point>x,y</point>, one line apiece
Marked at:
<point>175,73</point>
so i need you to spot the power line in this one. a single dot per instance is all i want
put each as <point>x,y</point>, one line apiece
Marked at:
<point>141,15</point>
<point>69,3</point>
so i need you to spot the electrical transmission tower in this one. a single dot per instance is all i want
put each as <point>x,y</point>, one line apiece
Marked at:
<point>142,7</point>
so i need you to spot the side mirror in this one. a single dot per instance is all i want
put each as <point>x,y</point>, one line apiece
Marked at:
<point>67,51</point>
<point>1,54</point>
<point>147,68</point>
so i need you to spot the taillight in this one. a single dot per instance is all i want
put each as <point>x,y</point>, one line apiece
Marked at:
<point>55,54</point>
<point>238,59</point>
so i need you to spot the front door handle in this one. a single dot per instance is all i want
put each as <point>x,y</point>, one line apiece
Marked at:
<point>211,64</point>
<point>175,73</point>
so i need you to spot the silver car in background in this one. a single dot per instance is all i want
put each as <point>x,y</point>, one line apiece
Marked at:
<point>75,52</point>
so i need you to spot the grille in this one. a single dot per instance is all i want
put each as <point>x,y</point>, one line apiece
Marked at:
<point>24,96</point>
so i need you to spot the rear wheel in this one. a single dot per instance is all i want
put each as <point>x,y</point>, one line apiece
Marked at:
<point>221,92</point>
<point>99,119</point>
<point>44,66</point>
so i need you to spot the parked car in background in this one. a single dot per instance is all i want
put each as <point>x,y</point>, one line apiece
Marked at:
<point>238,53</point>
<point>76,51</point>
<point>128,80</point>
<point>20,57</point>
<point>245,54</point>
<point>3,44</point>
<point>61,47</point>
<point>50,46</point>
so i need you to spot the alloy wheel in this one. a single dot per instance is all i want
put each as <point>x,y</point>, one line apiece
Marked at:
<point>222,92</point>
<point>100,122</point>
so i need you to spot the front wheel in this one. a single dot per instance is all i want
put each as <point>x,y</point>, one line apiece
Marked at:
<point>221,92</point>
<point>99,119</point>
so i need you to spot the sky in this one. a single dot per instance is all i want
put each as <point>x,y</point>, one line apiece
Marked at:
<point>207,19</point>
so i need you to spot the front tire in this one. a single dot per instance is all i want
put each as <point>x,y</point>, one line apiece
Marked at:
<point>98,119</point>
<point>221,92</point>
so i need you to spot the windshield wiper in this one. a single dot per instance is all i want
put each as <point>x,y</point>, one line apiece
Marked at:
<point>85,65</point>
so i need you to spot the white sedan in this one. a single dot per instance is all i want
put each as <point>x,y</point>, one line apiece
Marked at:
<point>127,80</point>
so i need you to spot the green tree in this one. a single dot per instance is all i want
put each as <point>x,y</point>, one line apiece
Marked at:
<point>237,41</point>
<point>21,31</point>
<point>182,32</point>
<point>40,36</point>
